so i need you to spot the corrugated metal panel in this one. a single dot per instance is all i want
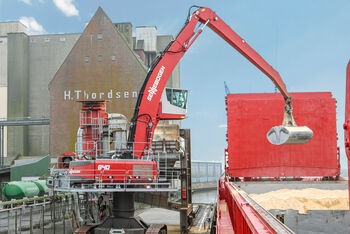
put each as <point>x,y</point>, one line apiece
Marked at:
<point>38,168</point>
<point>203,172</point>
<point>250,116</point>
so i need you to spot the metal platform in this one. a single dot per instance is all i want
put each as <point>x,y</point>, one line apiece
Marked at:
<point>113,187</point>
<point>138,180</point>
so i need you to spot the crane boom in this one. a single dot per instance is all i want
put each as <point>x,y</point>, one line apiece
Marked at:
<point>146,117</point>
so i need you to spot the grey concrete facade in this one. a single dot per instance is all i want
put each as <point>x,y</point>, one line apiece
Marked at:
<point>3,61</point>
<point>5,28</point>
<point>3,115</point>
<point>47,53</point>
<point>11,26</point>
<point>18,77</point>
<point>32,62</point>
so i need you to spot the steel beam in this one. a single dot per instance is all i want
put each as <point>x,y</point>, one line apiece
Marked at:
<point>2,145</point>
<point>25,122</point>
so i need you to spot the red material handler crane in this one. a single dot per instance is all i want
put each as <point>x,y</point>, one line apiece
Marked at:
<point>119,172</point>
<point>155,103</point>
<point>148,110</point>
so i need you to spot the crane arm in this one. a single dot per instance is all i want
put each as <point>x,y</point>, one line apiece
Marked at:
<point>145,116</point>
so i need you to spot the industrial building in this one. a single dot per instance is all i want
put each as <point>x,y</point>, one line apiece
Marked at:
<point>33,61</point>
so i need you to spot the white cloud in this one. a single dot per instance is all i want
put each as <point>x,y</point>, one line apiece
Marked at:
<point>67,7</point>
<point>33,26</point>
<point>29,2</point>
<point>222,126</point>
<point>26,1</point>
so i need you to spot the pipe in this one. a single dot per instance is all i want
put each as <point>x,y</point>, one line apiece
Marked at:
<point>123,204</point>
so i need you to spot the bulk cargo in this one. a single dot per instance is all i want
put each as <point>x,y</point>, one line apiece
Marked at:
<point>250,117</point>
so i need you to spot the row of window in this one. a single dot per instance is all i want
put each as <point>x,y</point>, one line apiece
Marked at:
<point>48,39</point>
<point>99,58</point>
<point>99,36</point>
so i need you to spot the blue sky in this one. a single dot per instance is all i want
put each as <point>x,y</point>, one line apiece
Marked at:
<point>306,41</point>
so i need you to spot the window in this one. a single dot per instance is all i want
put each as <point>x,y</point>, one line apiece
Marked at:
<point>86,58</point>
<point>99,58</point>
<point>99,36</point>
<point>113,57</point>
<point>177,97</point>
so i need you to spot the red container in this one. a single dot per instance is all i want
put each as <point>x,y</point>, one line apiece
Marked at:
<point>250,117</point>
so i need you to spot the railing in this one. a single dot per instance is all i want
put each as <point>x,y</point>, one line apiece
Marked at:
<point>113,175</point>
<point>238,213</point>
<point>104,148</point>
<point>57,212</point>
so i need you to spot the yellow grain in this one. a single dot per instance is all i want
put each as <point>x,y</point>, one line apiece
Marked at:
<point>303,199</point>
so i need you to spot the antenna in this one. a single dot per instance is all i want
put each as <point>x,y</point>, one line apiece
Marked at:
<point>227,90</point>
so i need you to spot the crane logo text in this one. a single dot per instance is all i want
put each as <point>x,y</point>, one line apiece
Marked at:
<point>153,90</point>
<point>104,167</point>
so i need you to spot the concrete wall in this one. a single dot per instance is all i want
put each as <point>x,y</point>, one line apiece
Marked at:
<point>174,79</point>
<point>3,61</point>
<point>3,86</point>
<point>10,27</point>
<point>149,35</point>
<point>31,63</point>
<point>18,81</point>
<point>3,113</point>
<point>5,28</point>
<point>47,53</point>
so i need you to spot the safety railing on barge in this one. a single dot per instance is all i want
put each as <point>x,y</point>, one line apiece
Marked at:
<point>238,213</point>
<point>115,181</point>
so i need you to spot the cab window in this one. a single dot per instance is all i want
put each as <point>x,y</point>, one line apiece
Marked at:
<point>177,97</point>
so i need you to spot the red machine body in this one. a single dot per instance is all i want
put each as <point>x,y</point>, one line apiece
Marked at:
<point>89,166</point>
<point>249,116</point>
<point>112,171</point>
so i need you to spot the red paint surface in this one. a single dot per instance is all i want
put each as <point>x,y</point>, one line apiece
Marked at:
<point>114,171</point>
<point>235,215</point>
<point>93,116</point>
<point>250,117</point>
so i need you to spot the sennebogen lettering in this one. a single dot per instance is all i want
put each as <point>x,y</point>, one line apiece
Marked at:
<point>153,89</point>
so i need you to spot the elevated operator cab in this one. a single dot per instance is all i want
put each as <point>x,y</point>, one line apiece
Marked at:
<point>173,104</point>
